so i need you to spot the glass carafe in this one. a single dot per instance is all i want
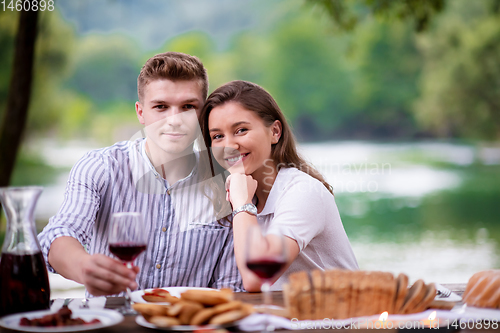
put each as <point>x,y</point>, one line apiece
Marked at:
<point>24,283</point>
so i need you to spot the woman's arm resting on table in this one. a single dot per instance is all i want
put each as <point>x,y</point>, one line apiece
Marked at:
<point>100,274</point>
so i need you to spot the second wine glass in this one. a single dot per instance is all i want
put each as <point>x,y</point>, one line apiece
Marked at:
<point>266,257</point>
<point>126,241</point>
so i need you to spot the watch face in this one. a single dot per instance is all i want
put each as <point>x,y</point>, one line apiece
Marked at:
<point>252,209</point>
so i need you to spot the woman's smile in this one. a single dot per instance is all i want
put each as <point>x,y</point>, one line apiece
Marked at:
<point>235,159</point>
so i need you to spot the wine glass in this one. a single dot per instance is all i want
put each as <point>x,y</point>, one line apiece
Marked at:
<point>266,257</point>
<point>126,241</point>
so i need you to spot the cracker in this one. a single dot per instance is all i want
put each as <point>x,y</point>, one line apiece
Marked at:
<point>150,309</point>
<point>233,305</point>
<point>208,297</point>
<point>188,311</point>
<point>331,281</point>
<point>376,301</point>
<point>344,294</point>
<point>355,282</point>
<point>160,298</point>
<point>441,305</point>
<point>202,317</point>
<point>319,293</point>
<point>415,295</point>
<point>291,300</point>
<point>428,298</point>
<point>401,292</point>
<point>356,294</point>
<point>159,295</point>
<point>227,317</point>
<point>300,285</point>
<point>365,295</point>
<point>389,293</point>
<point>328,304</point>
<point>176,309</point>
<point>163,321</point>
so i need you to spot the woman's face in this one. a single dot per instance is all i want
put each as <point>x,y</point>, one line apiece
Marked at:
<point>241,142</point>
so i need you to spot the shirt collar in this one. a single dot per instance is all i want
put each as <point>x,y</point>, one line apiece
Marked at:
<point>144,173</point>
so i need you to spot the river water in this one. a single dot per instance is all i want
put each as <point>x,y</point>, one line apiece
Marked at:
<point>427,209</point>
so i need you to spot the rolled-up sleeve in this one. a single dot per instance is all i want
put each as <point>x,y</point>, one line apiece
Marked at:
<point>76,217</point>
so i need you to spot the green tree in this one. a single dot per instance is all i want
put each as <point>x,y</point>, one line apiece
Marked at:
<point>305,71</point>
<point>356,85</point>
<point>8,28</point>
<point>14,117</point>
<point>55,43</point>
<point>459,86</point>
<point>105,68</point>
<point>388,66</point>
<point>346,14</point>
<point>52,53</point>
<point>460,81</point>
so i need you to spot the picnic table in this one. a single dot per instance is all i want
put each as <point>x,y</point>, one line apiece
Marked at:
<point>129,324</point>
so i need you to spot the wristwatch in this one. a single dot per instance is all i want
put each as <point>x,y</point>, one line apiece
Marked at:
<point>249,208</point>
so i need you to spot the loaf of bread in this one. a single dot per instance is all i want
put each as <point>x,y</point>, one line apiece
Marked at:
<point>483,290</point>
<point>341,294</point>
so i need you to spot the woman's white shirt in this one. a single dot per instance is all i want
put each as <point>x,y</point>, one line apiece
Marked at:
<point>303,209</point>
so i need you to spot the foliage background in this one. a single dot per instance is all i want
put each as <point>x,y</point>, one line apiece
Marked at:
<point>381,79</point>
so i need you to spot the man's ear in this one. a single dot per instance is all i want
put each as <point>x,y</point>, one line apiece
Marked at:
<point>276,129</point>
<point>139,111</point>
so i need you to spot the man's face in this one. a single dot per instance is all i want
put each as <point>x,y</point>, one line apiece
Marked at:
<point>169,111</point>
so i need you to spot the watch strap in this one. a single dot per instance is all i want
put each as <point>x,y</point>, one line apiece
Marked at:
<point>249,208</point>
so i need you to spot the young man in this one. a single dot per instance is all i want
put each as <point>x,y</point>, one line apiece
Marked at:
<point>159,176</point>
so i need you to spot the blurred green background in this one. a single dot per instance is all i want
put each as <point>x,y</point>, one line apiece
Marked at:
<point>399,109</point>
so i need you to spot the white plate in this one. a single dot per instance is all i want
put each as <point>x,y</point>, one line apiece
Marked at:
<point>136,296</point>
<point>107,318</point>
<point>144,323</point>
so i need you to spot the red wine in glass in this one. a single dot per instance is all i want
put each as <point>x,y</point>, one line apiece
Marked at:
<point>126,251</point>
<point>24,285</point>
<point>266,268</point>
<point>266,258</point>
<point>127,240</point>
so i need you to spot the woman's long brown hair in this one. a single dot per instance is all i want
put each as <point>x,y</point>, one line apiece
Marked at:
<point>254,98</point>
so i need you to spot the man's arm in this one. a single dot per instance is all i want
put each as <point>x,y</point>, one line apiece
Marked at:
<point>63,238</point>
<point>100,274</point>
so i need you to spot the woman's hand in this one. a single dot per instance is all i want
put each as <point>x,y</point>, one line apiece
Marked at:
<point>240,189</point>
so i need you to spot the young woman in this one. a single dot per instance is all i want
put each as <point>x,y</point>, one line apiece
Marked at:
<point>271,185</point>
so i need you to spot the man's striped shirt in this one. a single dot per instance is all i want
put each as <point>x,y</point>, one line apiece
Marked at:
<point>186,245</point>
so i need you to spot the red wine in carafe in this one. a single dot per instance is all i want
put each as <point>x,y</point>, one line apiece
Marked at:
<point>24,284</point>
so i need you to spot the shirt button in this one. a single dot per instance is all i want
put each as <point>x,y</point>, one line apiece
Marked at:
<point>163,229</point>
<point>168,192</point>
<point>158,266</point>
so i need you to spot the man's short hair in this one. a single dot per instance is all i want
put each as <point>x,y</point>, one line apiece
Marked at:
<point>172,66</point>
